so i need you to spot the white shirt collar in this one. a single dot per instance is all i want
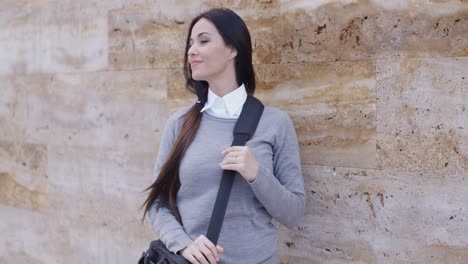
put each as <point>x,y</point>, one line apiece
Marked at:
<point>228,106</point>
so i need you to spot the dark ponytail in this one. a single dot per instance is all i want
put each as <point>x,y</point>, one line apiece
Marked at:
<point>235,34</point>
<point>167,183</point>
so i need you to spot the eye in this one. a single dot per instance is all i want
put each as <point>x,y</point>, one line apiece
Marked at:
<point>204,41</point>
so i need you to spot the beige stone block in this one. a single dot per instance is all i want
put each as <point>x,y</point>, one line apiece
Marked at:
<point>74,169</point>
<point>106,109</point>
<point>149,36</point>
<point>332,106</point>
<point>30,237</point>
<point>15,4</point>
<point>25,236</point>
<point>154,35</point>
<point>355,30</point>
<point>98,192</point>
<point>370,216</point>
<point>53,37</point>
<point>23,176</point>
<point>423,114</point>
<point>13,106</point>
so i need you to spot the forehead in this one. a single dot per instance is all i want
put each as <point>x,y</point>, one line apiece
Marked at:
<point>203,25</point>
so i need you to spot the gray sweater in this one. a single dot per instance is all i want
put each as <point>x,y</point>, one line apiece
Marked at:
<point>247,234</point>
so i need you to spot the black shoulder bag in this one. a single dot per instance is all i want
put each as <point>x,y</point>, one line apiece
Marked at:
<point>243,130</point>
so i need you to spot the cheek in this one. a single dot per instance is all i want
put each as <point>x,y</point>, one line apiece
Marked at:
<point>218,60</point>
<point>214,59</point>
<point>217,54</point>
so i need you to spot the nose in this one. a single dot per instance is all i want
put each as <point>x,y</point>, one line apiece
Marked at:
<point>192,50</point>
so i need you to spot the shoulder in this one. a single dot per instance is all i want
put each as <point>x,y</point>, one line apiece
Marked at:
<point>278,127</point>
<point>178,115</point>
<point>275,115</point>
<point>277,123</point>
<point>175,120</point>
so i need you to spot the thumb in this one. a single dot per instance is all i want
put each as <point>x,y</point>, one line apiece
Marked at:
<point>220,249</point>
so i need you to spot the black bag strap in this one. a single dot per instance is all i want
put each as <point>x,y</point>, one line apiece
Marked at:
<point>243,130</point>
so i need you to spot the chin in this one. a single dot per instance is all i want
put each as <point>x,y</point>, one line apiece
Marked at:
<point>198,77</point>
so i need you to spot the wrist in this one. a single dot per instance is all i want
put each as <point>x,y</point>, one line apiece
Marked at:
<point>180,252</point>
<point>254,175</point>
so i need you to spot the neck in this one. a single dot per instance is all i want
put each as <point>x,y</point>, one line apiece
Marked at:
<point>221,89</point>
<point>224,85</point>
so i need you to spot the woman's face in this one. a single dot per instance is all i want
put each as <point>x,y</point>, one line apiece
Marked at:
<point>209,57</point>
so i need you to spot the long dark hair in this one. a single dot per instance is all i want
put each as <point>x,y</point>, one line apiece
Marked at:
<point>235,34</point>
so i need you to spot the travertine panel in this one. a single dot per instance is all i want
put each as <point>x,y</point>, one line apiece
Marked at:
<point>16,4</point>
<point>423,114</point>
<point>118,109</point>
<point>154,36</point>
<point>369,216</point>
<point>93,215</point>
<point>26,237</point>
<point>36,39</point>
<point>103,189</point>
<point>354,30</point>
<point>101,170</point>
<point>13,107</point>
<point>23,176</point>
<point>332,106</point>
<point>51,36</point>
<point>148,37</point>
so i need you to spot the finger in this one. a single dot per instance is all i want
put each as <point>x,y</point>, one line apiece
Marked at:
<point>233,149</point>
<point>187,254</point>
<point>191,259</point>
<point>211,247</point>
<point>234,167</point>
<point>199,256</point>
<point>238,148</point>
<point>208,255</point>
<point>230,160</point>
<point>219,249</point>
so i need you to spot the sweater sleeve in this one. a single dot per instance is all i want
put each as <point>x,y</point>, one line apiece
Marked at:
<point>281,191</point>
<point>171,232</point>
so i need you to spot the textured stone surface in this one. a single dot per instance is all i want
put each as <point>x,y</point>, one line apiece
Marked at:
<point>93,109</point>
<point>332,106</point>
<point>148,37</point>
<point>379,216</point>
<point>93,215</point>
<point>13,105</point>
<point>52,38</point>
<point>23,176</point>
<point>84,179</point>
<point>154,36</point>
<point>354,30</point>
<point>423,114</point>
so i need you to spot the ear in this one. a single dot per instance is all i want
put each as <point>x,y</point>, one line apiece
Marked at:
<point>232,53</point>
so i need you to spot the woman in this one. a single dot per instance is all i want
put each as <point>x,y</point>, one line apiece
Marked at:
<point>195,149</point>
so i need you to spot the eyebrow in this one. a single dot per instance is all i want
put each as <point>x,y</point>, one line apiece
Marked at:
<point>201,33</point>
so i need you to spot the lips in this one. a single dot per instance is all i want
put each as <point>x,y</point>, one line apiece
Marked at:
<point>195,63</point>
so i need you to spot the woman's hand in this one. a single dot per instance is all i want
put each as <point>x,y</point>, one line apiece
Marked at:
<point>202,251</point>
<point>240,159</point>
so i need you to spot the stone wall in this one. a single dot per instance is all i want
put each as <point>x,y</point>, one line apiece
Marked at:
<point>377,90</point>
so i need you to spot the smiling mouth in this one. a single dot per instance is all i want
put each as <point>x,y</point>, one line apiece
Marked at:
<point>194,63</point>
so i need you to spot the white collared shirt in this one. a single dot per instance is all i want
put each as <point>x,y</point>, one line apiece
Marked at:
<point>229,106</point>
